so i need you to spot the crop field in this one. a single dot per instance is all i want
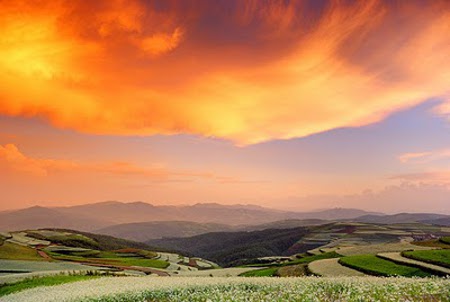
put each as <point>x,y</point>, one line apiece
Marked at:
<point>241,289</point>
<point>21,238</point>
<point>398,258</point>
<point>438,257</point>
<point>332,268</point>
<point>221,272</point>
<point>63,238</point>
<point>293,270</point>
<point>264,272</point>
<point>308,259</point>
<point>433,243</point>
<point>135,258</point>
<point>379,248</point>
<point>373,265</point>
<point>9,288</point>
<point>13,251</point>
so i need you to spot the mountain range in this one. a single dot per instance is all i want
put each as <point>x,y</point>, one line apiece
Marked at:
<point>91,217</point>
<point>141,221</point>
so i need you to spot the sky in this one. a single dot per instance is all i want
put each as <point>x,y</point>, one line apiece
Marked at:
<point>297,105</point>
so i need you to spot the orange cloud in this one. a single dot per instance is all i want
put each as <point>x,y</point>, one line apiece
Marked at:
<point>161,43</point>
<point>12,158</point>
<point>247,72</point>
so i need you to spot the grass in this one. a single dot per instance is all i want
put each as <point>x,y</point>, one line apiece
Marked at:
<point>293,270</point>
<point>67,239</point>
<point>13,251</point>
<point>434,243</point>
<point>265,272</point>
<point>432,268</point>
<point>438,257</point>
<point>112,258</point>
<point>9,288</point>
<point>309,259</point>
<point>372,265</point>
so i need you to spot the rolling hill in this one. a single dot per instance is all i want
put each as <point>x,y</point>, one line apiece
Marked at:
<point>41,217</point>
<point>227,248</point>
<point>144,231</point>
<point>401,218</point>
<point>443,221</point>
<point>97,216</point>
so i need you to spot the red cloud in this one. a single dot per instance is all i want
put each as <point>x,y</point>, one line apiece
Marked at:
<point>246,71</point>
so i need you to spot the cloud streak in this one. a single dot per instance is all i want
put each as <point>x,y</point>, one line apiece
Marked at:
<point>246,71</point>
<point>13,160</point>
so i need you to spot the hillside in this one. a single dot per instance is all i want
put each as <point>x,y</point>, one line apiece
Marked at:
<point>145,231</point>
<point>286,224</point>
<point>444,221</point>
<point>401,218</point>
<point>88,240</point>
<point>231,248</point>
<point>225,248</point>
<point>41,217</point>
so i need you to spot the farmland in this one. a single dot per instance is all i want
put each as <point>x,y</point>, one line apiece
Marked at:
<point>398,258</point>
<point>135,258</point>
<point>332,268</point>
<point>373,265</point>
<point>438,257</point>
<point>9,288</point>
<point>349,250</point>
<point>241,289</point>
<point>13,251</point>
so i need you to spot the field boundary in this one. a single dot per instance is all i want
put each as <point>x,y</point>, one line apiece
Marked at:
<point>425,266</point>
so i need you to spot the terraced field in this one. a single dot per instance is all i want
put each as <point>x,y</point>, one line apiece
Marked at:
<point>374,249</point>
<point>437,257</point>
<point>332,268</point>
<point>398,258</point>
<point>135,258</point>
<point>373,265</point>
<point>15,270</point>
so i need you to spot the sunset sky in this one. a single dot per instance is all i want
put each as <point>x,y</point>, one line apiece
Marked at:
<point>295,105</point>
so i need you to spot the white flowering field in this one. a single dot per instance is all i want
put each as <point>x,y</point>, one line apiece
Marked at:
<point>236,289</point>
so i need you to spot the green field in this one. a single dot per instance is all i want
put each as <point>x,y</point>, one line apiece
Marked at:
<point>17,252</point>
<point>64,238</point>
<point>434,243</point>
<point>135,258</point>
<point>9,288</point>
<point>265,272</point>
<point>438,257</point>
<point>308,259</point>
<point>372,265</point>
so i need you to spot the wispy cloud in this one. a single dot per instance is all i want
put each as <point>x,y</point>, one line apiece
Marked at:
<point>424,157</point>
<point>248,71</point>
<point>13,159</point>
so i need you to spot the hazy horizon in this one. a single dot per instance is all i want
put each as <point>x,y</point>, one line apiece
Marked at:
<point>295,105</point>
